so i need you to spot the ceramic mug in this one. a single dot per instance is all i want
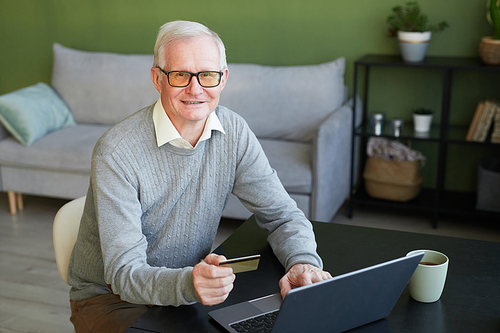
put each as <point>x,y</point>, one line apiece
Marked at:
<point>427,282</point>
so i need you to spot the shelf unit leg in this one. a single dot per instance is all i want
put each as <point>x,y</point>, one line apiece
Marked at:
<point>435,220</point>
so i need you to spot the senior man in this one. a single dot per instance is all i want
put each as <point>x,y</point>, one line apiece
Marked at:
<point>159,184</point>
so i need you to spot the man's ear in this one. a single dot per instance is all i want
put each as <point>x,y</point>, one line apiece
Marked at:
<point>155,76</point>
<point>224,78</point>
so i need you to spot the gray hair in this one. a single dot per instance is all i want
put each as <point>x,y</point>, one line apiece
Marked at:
<point>180,30</point>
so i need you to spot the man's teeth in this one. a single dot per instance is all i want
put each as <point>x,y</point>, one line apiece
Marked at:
<point>192,102</point>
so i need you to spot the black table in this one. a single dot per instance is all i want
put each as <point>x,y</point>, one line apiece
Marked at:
<point>470,301</point>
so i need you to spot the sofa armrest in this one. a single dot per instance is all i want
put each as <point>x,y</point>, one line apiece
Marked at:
<point>331,164</point>
<point>359,109</point>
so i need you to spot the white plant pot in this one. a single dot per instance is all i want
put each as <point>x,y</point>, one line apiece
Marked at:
<point>413,45</point>
<point>422,122</point>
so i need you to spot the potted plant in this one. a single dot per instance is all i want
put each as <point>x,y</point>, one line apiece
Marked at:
<point>412,30</point>
<point>422,120</point>
<point>489,47</point>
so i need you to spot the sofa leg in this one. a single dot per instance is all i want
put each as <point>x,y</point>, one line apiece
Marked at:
<point>19,200</point>
<point>12,202</point>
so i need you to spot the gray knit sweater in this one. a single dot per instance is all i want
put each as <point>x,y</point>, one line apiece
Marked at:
<point>152,213</point>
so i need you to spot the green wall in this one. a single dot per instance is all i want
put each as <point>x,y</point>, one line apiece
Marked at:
<point>274,32</point>
<point>271,32</point>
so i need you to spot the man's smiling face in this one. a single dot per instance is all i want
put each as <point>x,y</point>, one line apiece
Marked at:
<point>194,103</point>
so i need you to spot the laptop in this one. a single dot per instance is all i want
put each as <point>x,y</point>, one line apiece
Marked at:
<point>336,305</point>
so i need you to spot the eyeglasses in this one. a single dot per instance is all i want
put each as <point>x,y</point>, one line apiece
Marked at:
<point>206,79</point>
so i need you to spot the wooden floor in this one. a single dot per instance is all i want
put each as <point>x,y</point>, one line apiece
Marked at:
<point>33,298</point>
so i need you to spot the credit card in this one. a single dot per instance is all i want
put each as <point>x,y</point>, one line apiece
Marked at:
<point>242,264</point>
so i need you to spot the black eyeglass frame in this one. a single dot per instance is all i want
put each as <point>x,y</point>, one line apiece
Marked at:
<point>191,77</point>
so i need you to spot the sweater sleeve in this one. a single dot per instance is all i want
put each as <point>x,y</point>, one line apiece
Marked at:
<point>259,189</point>
<point>123,244</point>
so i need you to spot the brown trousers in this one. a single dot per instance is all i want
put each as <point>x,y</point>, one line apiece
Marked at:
<point>104,313</point>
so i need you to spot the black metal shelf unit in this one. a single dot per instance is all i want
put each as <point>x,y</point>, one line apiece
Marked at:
<point>438,200</point>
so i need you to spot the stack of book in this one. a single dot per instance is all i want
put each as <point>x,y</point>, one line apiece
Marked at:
<point>487,115</point>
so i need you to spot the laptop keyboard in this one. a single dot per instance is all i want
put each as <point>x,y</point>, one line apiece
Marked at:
<point>260,324</point>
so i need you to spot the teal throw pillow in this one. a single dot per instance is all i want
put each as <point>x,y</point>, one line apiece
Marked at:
<point>32,112</point>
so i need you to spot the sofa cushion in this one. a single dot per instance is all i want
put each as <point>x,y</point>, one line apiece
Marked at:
<point>67,149</point>
<point>102,88</point>
<point>285,102</point>
<point>32,112</point>
<point>292,162</point>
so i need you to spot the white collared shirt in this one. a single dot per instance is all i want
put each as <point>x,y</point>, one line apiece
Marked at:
<point>166,131</point>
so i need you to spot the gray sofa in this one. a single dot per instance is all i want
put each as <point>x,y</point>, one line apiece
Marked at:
<point>299,113</point>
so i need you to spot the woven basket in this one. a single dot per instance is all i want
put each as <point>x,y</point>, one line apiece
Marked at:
<point>489,50</point>
<point>396,181</point>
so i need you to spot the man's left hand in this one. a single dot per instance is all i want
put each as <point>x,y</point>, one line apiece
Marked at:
<point>301,275</point>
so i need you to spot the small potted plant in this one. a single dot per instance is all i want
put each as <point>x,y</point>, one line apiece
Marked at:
<point>422,120</point>
<point>489,47</point>
<point>412,30</point>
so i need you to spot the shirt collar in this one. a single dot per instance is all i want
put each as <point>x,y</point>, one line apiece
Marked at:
<point>166,132</point>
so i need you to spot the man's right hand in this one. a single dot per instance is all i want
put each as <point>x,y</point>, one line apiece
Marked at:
<point>211,282</point>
